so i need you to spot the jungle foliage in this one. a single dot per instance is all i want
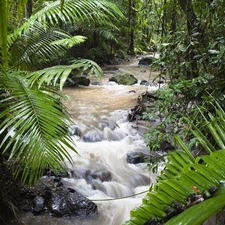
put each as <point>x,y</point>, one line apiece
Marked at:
<point>191,47</point>
<point>33,121</point>
<point>40,135</point>
<point>41,42</point>
<point>189,189</point>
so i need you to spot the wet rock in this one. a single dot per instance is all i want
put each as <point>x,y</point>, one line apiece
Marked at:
<point>102,175</point>
<point>38,204</point>
<point>138,157</point>
<point>73,81</point>
<point>144,82</point>
<point>71,203</point>
<point>56,199</point>
<point>124,79</point>
<point>93,136</point>
<point>146,61</point>
<point>74,130</point>
<point>143,157</point>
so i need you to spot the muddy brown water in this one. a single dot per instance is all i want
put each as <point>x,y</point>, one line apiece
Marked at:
<point>102,111</point>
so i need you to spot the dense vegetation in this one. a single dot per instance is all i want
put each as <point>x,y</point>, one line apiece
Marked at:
<point>31,109</point>
<point>190,37</point>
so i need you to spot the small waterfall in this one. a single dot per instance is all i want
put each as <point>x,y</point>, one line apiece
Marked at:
<point>101,172</point>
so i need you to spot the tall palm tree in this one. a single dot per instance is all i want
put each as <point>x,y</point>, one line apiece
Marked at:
<point>33,121</point>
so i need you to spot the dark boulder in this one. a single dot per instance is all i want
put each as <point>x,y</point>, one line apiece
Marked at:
<point>146,61</point>
<point>74,130</point>
<point>58,200</point>
<point>138,157</point>
<point>144,82</point>
<point>70,203</point>
<point>73,81</point>
<point>143,157</point>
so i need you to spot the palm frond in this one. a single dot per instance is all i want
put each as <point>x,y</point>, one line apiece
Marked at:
<point>214,125</point>
<point>178,193</point>
<point>106,33</point>
<point>86,10</point>
<point>190,216</point>
<point>37,45</point>
<point>69,42</point>
<point>38,123</point>
<point>52,75</point>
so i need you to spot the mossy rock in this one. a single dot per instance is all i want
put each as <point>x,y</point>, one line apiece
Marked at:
<point>124,79</point>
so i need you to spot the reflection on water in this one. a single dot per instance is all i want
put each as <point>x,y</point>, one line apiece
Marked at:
<point>100,113</point>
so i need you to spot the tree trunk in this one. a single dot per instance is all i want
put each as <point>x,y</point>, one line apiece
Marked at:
<point>164,20</point>
<point>29,8</point>
<point>192,23</point>
<point>187,7</point>
<point>131,16</point>
<point>174,20</point>
<point>193,26</point>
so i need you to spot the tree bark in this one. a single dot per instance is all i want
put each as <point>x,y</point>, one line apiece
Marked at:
<point>131,15</point>
<point>187,7</point>
<point>29,8</point>
<point>193,26</point>
<point>164,20</point>
<point>192,23</point>
<point>174,20</point>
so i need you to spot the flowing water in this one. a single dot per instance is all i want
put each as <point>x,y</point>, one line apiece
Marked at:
<point>103,140</point>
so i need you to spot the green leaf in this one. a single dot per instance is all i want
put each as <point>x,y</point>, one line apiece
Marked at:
<point>70,42</point>
<point>39,123</point>
<point>52,75</point>
<point>206,208</point>
<point>184,147</point>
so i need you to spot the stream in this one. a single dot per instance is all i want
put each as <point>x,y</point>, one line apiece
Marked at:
<point>103,140</point>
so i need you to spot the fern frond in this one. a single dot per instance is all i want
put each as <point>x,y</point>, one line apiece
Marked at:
<point>171,195</point>
<point>37,45</point>
<point>73,11</point>
<point>106,33</point>
<point>188,190</point>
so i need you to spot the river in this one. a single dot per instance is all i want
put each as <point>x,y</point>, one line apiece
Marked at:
<point>100,112</point>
